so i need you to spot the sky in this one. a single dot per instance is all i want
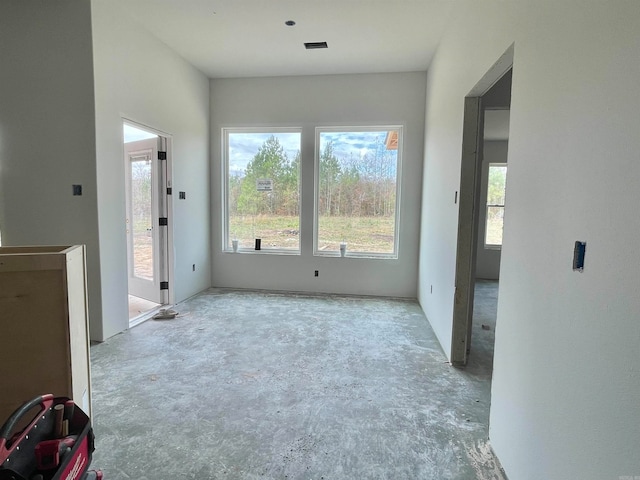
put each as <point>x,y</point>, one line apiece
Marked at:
<point>346,144</point>
<point>244,146</point>
<point>132,134</point>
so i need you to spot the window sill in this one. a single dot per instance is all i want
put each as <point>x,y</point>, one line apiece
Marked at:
<point>264,251</point>
<point>369,256</point>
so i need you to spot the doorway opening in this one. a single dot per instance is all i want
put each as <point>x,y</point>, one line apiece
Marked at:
<point>146,186</point>
<point>481,210</point>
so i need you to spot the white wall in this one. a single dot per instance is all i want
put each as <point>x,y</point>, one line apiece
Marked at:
<point>139,78</point>
<point>308,102</point>
<point>566,371</point>
<point>488,259</point>
<point>47,130</point>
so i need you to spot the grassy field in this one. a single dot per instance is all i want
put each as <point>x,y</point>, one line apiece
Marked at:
<point>274,231</point>
<point>362,234</point>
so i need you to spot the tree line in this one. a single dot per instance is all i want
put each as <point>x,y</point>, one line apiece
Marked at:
<point>348,186</point>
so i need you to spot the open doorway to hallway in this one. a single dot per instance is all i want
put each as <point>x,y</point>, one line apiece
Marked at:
<point>489,233</point>
<point>145,157</point>
<point>482,203</point>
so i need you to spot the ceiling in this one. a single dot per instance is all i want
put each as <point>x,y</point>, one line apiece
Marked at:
<point>249,38</point>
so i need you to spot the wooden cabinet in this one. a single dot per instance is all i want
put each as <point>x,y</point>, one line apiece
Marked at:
<point>44,341</point>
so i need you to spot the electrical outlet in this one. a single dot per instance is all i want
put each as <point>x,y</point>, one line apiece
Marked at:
<point>315,273</point>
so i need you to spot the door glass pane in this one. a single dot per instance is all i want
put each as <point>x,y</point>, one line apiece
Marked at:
<point>142,221</point>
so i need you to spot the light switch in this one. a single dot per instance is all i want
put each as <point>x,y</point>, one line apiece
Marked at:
<point>578,255</point>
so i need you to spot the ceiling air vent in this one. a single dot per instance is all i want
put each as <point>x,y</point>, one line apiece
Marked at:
<point>315,45</point>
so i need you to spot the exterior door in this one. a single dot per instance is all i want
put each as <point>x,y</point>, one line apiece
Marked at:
<point>142,220</point>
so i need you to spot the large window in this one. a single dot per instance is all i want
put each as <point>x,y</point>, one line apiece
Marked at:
<point>262,189</point>
<point>357,171</point>
<point>495,204</point>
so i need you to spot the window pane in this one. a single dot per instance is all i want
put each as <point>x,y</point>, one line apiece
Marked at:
<point>263,189</point>
<point>495,217</point>
<point>495,204</point>
<point>497,182</point>
<point>357,174</point>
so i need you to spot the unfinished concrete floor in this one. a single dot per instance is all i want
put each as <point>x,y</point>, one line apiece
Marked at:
<point>138,306</point>
<point>254,385</point>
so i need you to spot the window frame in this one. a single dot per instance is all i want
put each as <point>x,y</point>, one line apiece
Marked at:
<point>226,235</point>
<point>316,194</point>
<point>492,246</point>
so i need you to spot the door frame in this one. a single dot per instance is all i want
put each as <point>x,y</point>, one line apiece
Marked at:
<point>469,208</point>
<point>165,207</point>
